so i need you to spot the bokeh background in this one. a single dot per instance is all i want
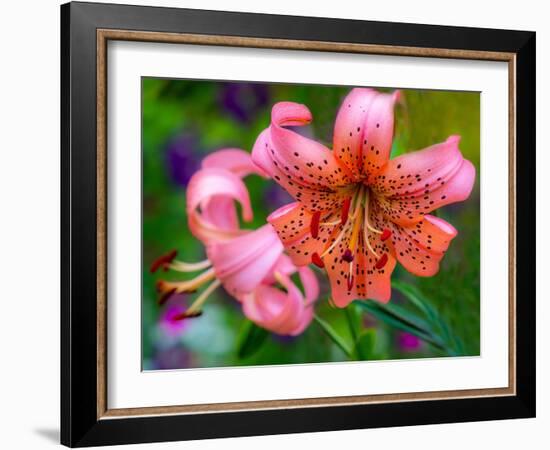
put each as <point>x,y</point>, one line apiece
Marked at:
<point>184,120</point>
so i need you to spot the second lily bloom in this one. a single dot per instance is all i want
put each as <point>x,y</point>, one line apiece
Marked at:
<point>249,264</point>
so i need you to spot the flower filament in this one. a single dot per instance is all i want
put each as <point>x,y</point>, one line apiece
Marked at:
<point>169,288</point>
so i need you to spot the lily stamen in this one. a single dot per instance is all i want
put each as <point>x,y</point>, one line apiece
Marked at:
<point>336,241</point>
<point>182,266</point>
<point>345,210</point>
<point>195,308</point>
<point>386,234</point>
<point>163,261</point>
<point>366,238</point>
<point>348,255</point>
<point>186,315</point>
<point>314,224</point>
<point>180,287</point>
<point>382,261</point>
<point>316,259</point>
<point>350,280</point>
<point>166,296</point>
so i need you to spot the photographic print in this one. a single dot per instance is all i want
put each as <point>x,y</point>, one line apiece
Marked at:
<point>297,224</point>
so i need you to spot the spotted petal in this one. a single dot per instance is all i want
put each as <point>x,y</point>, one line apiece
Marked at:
<point>363,132</point>
<point>306,169</point>
<point>420,247</point>
<point>292,224</point>
<point>417,183</point>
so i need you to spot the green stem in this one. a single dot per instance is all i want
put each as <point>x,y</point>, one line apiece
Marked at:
<point>334,336</point>
<point>352,331</point>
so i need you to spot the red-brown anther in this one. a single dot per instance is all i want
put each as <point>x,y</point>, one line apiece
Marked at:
<point>159,285</point>
<point>351,279</point>
<point>314,225</point>
<point>386,234</point>
<point>347,256</point>
<point>163,261</point>
<point>382,261</point>
<point>345,210</point>
<point>187,315</point>
<point>316,259</point>
<point>164,297</point>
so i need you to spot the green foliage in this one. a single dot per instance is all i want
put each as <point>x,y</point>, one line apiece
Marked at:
<point>251,340</point>
<point>336,338</point>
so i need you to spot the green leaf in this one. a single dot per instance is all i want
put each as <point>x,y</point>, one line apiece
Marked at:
<point>404,320</point>
<point>251,339</point>
<point>414,295</point>
<point>336,338</point>
<point>365,344</point>
<point>416,298</point>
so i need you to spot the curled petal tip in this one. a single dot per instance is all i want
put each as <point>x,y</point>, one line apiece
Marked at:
<point>454,138</point>
<point>290,114</point>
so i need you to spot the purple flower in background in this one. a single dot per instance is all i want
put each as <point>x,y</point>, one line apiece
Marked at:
<point>182,158</point>
<point>285,340</point>
<point>243,100</point>
<point>172,358</point>
<point>168,322</point>
<point>408,342</point>
<point>275,196</point>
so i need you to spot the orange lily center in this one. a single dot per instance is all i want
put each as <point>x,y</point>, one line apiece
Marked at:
<point>354,225</point>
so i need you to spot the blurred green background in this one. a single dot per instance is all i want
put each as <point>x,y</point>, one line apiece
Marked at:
<point>427,317</point>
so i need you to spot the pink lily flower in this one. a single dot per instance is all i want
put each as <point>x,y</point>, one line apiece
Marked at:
<point>248,263</point>
<point>357,212</point>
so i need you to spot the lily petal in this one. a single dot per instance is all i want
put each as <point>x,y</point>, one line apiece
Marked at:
<point>274,309</point>
<point>417,183</point>
<point>420,247</point>
<point>306,169</point>
<point>285,313</point>
<point>214,192</point>
<point>242,263</point>
<point>363,131</point>
<point>292,224</point>
<point>310,283</point>
<point>378,281</point>
<point>369,282</point>
<point>233,159</point>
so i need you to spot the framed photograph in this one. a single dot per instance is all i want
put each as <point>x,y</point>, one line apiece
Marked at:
<point>276,224</point>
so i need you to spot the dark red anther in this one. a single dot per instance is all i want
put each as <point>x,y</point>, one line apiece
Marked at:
<point>347,256</point>
<point>351,279</point>
<point>382,261</point>
<point>163,261</point>
<point>187,315</point>
<point>386,234</point>
<point>345,210</point>
<point>316,259</point>
<point>164,297</point>
<point>314,225</point>
<point>159,285</point>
